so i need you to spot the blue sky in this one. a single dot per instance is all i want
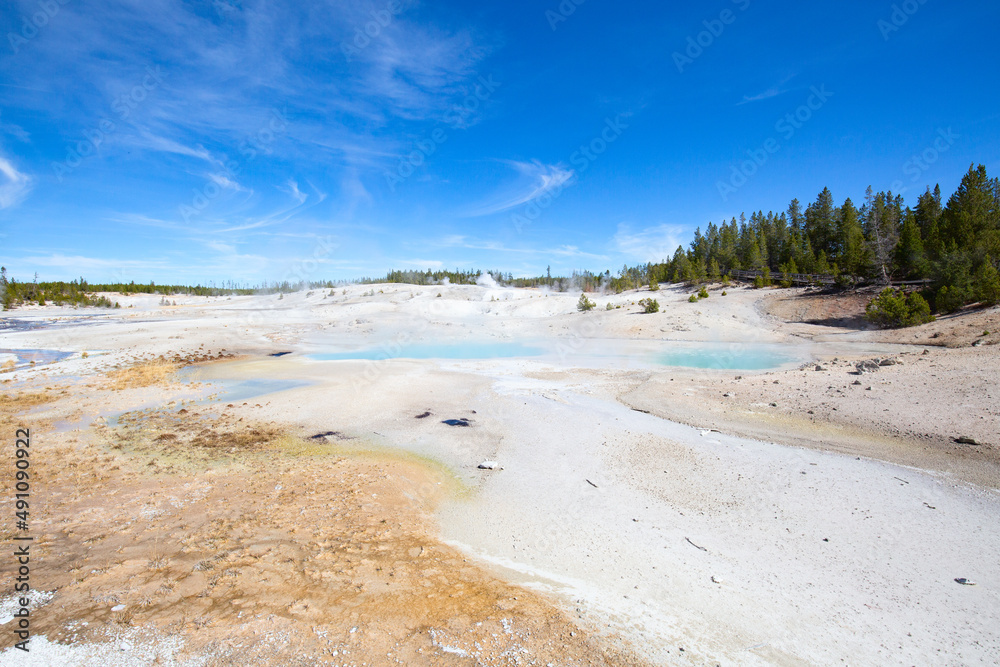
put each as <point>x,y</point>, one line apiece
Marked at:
<point>208,141</point>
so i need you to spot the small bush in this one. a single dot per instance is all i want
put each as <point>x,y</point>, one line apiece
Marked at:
<point>949,299</point>
<point>893,309</point>
<point>703,293</point>
<point>609,307</point>
<point>723,292</point>
<point>650,305</point>
<point>988,285</point>
<point>584,304</point>
<point>763,280</point>
<point>654,286</point>
<point>693,298</point>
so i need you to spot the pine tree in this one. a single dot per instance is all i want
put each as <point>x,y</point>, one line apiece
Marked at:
<point>987,282</point>
<point>820,225</point>
<point>714,273</point>
<point>972,218</point>
<point>853,254</point>
<point>910,250</point>
<point>928,214</point>
<point>795,219</point>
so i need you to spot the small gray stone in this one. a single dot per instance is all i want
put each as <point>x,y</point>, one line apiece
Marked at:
<point>867,366</point>
<point>489,465</point>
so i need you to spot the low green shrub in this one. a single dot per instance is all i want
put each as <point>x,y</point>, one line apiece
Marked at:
<point>650,305</point>
<point>585,304</point>
<point>892,309</point>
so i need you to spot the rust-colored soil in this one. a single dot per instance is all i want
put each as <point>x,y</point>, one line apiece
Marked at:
<point>253,547</point>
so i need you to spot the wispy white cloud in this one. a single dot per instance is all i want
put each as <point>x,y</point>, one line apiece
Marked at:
<point>166,145</point>
<point>292,188</point>
<point>773,91</point>
<point>456,241</point>
<point>14,185</point>
<point>423,263</point>
<point>224,181</point>
<point>535,180</point>
<point>651,244</point>
<point>83,263</point>
<point>13,130</point>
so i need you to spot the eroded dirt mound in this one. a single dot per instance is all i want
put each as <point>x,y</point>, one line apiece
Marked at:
<point>824,308</point>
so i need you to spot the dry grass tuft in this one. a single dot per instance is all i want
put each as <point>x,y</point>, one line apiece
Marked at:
<point>12,404</point>
<point>8,366</point>
<point>123,617</point>
<point>142,375</point>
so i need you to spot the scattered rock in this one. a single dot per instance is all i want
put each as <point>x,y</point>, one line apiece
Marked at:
<point>819,368</point>
<point>966,441</point>
<point>322,437</point>
<point>891,361</point>
<point>857,382</point>
<point>978,343</point>
<point>716,580</point>
<point>867,366</point>
<point>727,395</point>
<point>925,352</point>
<point>423,415</point>
<point>774,405</point>
<point>965,582</point>
<point>488,465</point>
<point>695,545</point>
<point>456,422</point>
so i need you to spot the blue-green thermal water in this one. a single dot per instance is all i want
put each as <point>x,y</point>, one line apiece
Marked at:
<point>728,356</point>
<point>722,356</point>
<point>463,350</point>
